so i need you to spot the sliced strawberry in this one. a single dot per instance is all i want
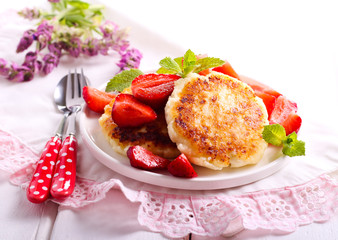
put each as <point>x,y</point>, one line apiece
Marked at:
<point>266,93</point>
<point>144,159</point>
<point>227,69</point>
<point>127,111</point>
<point>269,100</point>
<point>205,72</point>
<point>154,89</point>
<point>181,167</point>
<point>284,113</point>
<point>257,86</point>
<point>292,123</point>
<point>96,99</point>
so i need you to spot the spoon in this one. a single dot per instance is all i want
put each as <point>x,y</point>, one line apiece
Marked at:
<point>38,189</point>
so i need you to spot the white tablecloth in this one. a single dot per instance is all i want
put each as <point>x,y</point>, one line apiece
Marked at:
<point>291,46</point>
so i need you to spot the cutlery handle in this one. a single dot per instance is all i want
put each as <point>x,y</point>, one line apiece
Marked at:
<point>63,181</point>
<point>38,189</point>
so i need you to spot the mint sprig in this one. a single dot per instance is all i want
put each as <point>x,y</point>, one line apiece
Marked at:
<point>188,63</point>
<point>122,80</point>
<point>275,134</point>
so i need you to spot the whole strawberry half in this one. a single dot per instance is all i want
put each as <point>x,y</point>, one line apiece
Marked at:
<point>144,159</point>
<point>181,167</point>
<point>127,111</point>
<point>95,99</point>
<point>154,89</point>
<point>285,114</point>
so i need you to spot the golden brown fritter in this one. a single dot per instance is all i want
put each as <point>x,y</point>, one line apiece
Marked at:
<point>216,121</point>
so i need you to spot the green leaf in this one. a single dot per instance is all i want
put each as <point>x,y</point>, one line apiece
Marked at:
<point>170,64</point>
<point>163,70</point>
<point>208,62</point>
<point>78,4</point>
<point>293,147</point>
<point>122,80</point>
<point>274,134</point>
<point>179,61</point>
<point>188,70</point>
<point>189,59</point>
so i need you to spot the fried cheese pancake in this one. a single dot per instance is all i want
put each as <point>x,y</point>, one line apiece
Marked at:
<point>216,121</point>
<point>152,136</point>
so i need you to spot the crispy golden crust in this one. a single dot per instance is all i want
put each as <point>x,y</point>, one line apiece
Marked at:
<point>216,121</point>
<point>153,136</point>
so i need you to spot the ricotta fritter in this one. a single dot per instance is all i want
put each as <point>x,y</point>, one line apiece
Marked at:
<point>152,136</point>
<point>216,121</point>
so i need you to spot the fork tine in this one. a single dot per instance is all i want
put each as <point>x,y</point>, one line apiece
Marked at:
<point>77,85</point>
<point>69,89</point>
<point>83,81</point>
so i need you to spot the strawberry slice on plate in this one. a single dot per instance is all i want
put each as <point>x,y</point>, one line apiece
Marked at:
<point>181,167</point>
<point>285,114</point>
<point>144,159</point>
<point>127,111</point>
<point>96,100</point>
<point>227,69</point>
<point>154,89</point>
<point>266,93</point>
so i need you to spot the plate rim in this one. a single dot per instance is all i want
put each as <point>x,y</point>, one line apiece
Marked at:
<point>169,181</point>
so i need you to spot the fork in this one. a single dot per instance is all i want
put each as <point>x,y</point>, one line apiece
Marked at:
<point>63,181</point>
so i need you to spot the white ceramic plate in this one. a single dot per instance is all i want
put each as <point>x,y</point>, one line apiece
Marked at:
<point>207,179</point>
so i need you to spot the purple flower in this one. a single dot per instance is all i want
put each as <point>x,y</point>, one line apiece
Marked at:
<point>91,47</point>
<point>31,61</point>
<point>50,62</point>
<point>20,73</point>
<point>74,48</point>
<point>25,41</point>
<point>55,48</point>
<point>53,1</point>
<point>3,67</point>
<point>130,59</point>
<point>30,13</point>
<point>43,34</point>
<point>108,28</point>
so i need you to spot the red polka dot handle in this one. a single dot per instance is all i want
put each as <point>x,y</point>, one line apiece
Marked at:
<point>65,171</point>
<point>38,189</point>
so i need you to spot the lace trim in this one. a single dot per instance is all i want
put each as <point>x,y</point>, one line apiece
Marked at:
<point>176,215</point>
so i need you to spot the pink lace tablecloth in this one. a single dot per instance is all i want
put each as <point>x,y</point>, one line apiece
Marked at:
<point>177,215</point>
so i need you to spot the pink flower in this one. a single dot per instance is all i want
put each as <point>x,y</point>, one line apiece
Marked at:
<point>43,34</point>
<point>20,73</point>
<point>74,47</point>
<point>91,47</point>
<point>130,59</point>
<point>55,48</point>
<point>30,13</point>
<point>25,41</point>
<point>31,61</point>
<point>50,62</point>
<point>108,28</point>
<point>3,67</point>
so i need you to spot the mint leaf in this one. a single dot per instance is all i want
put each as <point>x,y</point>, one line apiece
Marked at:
<point>179,61</point>
<point>293,147</point>
<point>189,59</point>
<point>163,70</point>
<point>208,62</point>
<point>170,65</point>
<point>122,80</point>
<point>78,4</point>
<point>274,134</point>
